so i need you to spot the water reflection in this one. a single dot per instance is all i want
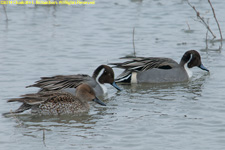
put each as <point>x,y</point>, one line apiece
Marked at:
<point>30,122</point>
<point>27,120</point>
<point>136,1</point>
<point>50,128</point>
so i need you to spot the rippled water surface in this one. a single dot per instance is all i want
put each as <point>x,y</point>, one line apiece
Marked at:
<point>51,40</point>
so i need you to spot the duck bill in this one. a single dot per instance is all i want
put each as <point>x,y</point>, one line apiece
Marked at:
<point>116,86</point>
<point>98,101</point>
<point>203,67</point>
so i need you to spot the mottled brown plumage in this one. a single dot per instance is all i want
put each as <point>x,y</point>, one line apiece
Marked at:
<point>57,102</point>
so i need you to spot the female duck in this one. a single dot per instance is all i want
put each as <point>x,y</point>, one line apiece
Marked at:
<point>57,102</point>
<point>103,74</point>
<point>159,70</point>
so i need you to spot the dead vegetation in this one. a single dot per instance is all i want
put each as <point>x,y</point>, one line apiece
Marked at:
<point>205,22</point>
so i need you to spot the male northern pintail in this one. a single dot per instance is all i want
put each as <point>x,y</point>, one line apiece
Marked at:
<point>57,102</point>
<point>159,70</point>
<point>103,74</point>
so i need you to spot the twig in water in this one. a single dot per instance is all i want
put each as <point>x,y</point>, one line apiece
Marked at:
<point>206,42</point>
<point>202,20</point>
<point>43,138</point>
<point>133,42</point>
<point>5,12</point>
<point>206,39</point>
<point>214,14</point>
<point>188,25</point>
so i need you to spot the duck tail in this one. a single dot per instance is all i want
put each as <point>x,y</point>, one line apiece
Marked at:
<point>21,109</point>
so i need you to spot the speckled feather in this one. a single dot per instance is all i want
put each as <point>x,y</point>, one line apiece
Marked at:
<point>51,103</point>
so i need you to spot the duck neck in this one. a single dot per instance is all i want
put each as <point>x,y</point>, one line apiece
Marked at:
<point>96,75</point>
<point>188,70</point>
<point>97,71</point>
<point>184,63</point>
<point>102,85</point>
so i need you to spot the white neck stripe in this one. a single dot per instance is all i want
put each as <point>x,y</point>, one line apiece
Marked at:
<point>99,75</point>
<point>189,59</point>
<point>104,88</point>
<point>187,69</point>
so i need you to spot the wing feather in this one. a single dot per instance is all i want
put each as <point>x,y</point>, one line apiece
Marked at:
<point>60,82</point>
<point>140,64</point>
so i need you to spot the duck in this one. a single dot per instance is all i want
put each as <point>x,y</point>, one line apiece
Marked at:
<point>57,102</point>
<point>159,69</point>
<point>103,74</point>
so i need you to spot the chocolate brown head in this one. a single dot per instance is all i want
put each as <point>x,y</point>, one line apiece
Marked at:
<point>192,58</point>
<point>105,74</point>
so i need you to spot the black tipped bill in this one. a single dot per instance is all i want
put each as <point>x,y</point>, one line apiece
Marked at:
<point>98,101</point>
<point>116,86</point>
<point>203,67</point>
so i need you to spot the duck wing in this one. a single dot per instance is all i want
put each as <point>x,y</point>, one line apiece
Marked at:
<point>60,82</point>
<point>30,100</point>
<point>140,64</point>
<point>42,97</point>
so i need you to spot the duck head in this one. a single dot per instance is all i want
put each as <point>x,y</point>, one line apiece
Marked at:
<point>105,74</point>
<point>192,59</point>
<point>85,92</point>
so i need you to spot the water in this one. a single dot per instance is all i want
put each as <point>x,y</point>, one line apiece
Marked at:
<point>51,40</point>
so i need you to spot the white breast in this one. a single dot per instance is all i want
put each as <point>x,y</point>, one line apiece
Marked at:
<point>104,88</point>
<point>188,70</point>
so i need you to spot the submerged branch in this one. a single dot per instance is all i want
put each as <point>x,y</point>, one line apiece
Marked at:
<point>5,13</point>
<point>206,38</point>
<point>214,14</point>
<point>43,137</point>
<point>188,25</point>
<point>133,42</point>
